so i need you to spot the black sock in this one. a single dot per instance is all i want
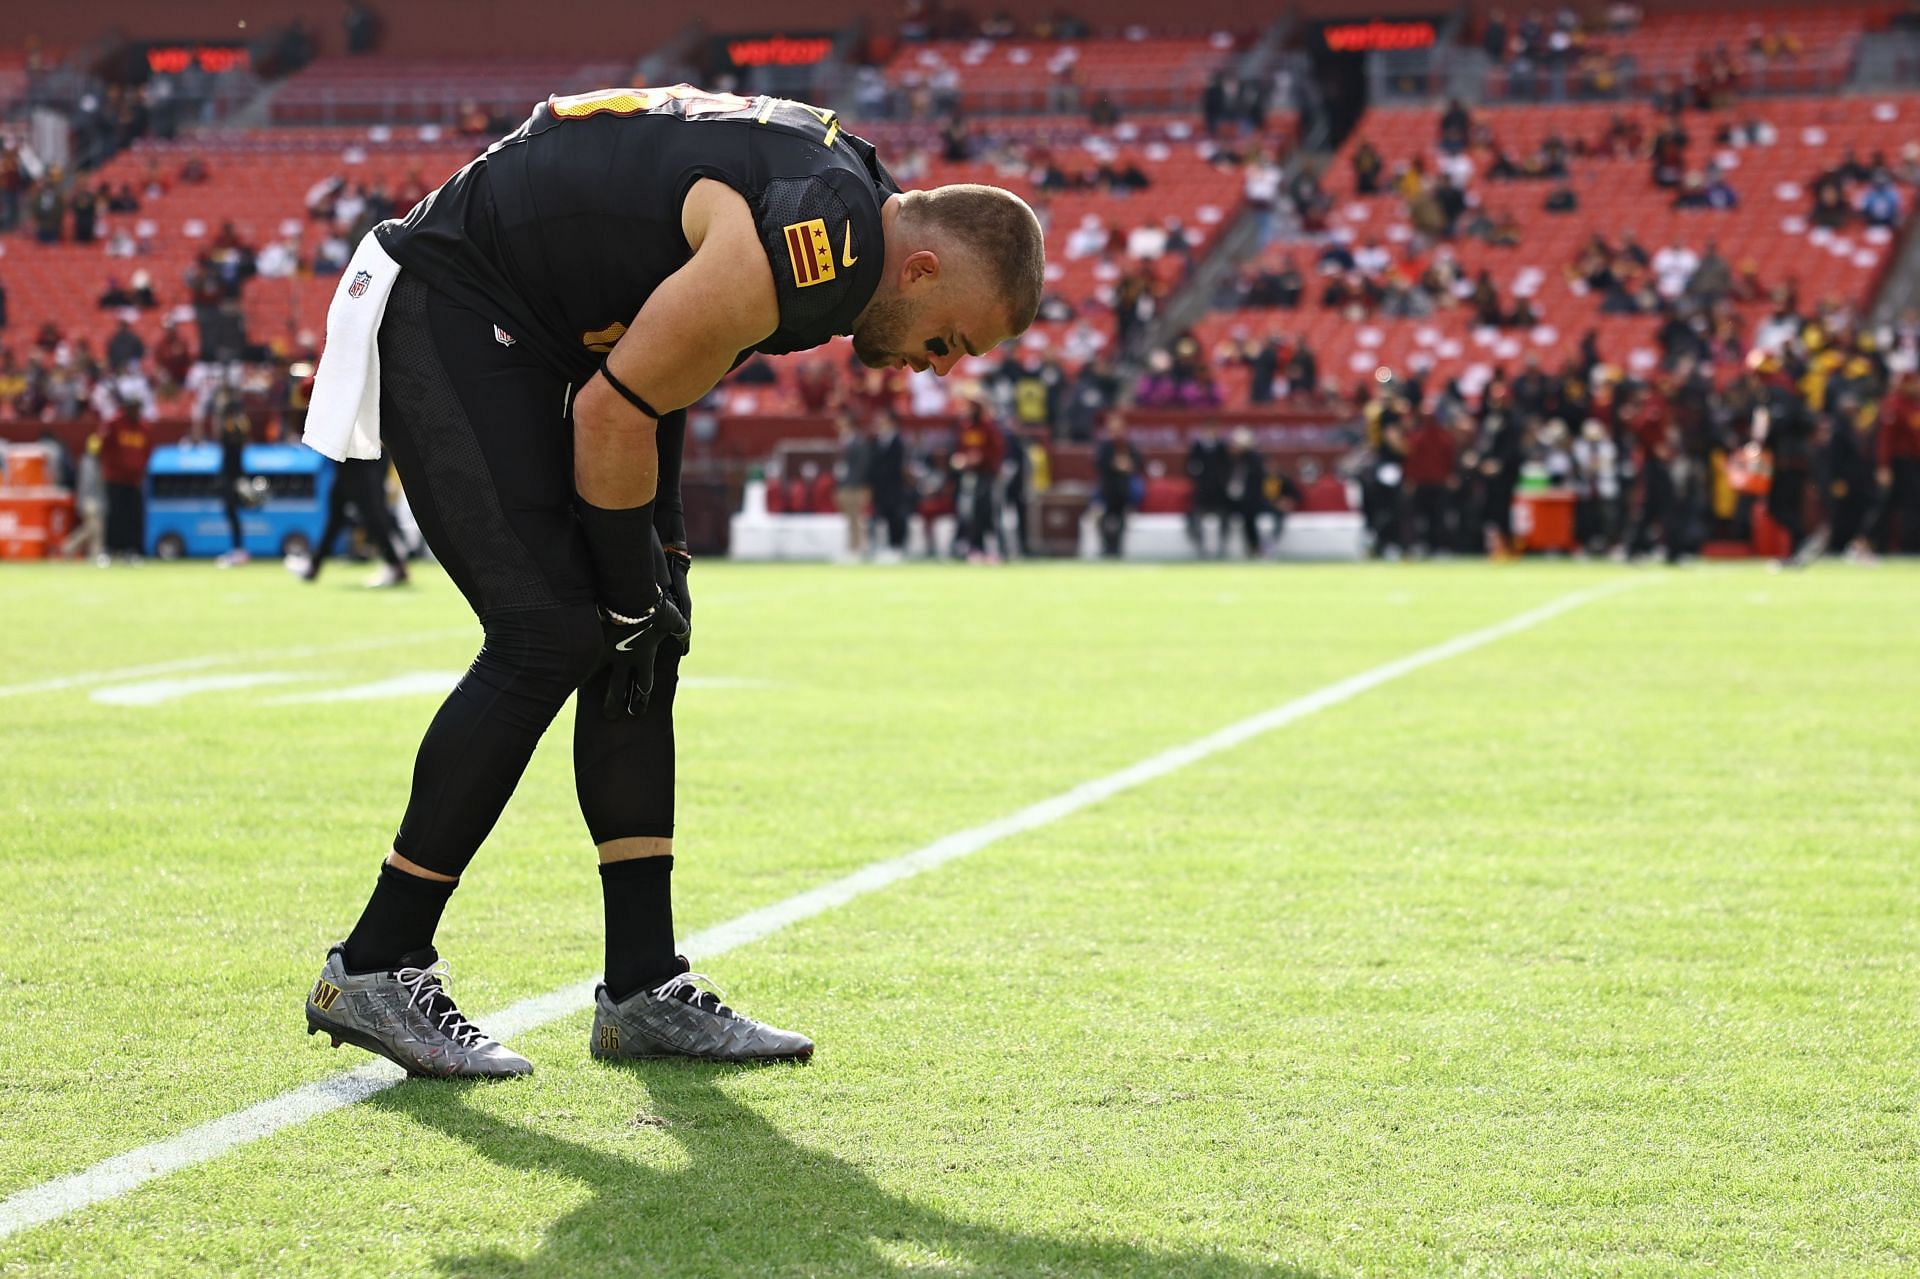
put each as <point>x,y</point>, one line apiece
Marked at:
<point>639,903</point>
<point>399,919</point>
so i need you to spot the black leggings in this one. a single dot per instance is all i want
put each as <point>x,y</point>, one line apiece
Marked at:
<point>479,435</point>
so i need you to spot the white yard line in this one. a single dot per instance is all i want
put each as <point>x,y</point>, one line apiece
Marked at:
<point>86,678</point>
<point>111,1178</point>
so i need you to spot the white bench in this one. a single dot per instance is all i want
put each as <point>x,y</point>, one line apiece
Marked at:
<point>761,536</point>
<point>1321,536</point>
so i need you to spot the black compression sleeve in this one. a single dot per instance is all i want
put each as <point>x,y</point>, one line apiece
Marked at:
<point>670,516</point>
<point>620,544</point>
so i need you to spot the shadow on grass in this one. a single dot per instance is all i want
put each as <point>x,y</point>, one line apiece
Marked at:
<point>751,1202</point>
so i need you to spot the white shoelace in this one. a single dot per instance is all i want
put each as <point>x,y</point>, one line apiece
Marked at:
<point>695,984</point>
<point>430,984</point>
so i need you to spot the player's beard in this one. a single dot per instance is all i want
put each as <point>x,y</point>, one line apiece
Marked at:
<point>881,336</point>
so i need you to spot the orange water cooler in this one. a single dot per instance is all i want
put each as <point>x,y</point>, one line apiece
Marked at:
<point>1543,520</point>
<point>35,517</point>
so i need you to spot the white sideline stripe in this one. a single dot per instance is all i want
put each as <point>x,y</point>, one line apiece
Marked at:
<point>85,678</point>
<point>412,684</point>
<point>111,1178</point>
<point>155,691</point>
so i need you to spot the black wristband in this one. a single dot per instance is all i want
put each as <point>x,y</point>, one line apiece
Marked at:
<point>620,544</point>
<point>627,393</point>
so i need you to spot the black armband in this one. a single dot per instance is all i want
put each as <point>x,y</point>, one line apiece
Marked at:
<point>620,544</point>
<point>627,393</point>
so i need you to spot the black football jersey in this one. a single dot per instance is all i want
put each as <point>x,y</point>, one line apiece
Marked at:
<point>563,228</point>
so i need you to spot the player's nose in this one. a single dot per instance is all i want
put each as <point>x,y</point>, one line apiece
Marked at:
<point>943,365</point>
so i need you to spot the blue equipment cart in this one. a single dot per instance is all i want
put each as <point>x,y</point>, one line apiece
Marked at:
<point>185,515</point>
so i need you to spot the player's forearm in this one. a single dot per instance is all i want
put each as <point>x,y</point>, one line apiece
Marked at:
<point>616,460</point>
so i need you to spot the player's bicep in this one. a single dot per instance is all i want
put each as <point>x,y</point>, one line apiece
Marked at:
<point>687,334</point>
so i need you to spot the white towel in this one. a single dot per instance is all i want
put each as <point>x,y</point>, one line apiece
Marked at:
<point>343,416</point>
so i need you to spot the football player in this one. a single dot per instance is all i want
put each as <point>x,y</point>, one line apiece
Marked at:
<point>524,344</point>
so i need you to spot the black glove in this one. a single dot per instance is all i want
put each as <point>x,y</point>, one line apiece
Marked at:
<point>679,560</point>
<point>632,643</point>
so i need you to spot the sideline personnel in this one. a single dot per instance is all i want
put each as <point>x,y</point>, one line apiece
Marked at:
<point>524,343</point>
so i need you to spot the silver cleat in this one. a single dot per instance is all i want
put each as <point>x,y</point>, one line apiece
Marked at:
<point>406,1015</point>
<point>683,1017</point>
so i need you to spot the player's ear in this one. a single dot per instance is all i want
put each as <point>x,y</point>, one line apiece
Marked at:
<point>921,266</point>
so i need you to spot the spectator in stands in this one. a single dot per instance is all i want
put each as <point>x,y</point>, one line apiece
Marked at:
<point>1880,203</point>
<point>1367,168</point>
<point>279,260</point>
<point>1712,279</point>
<point>1303,369</point>
<point>1830,208</point>
<point>85,207</point>
<point>173,358</point>
<point>1485,301</point>
<point>1260,189</point>
<point>1216,100</point>
<point>332,256</point>
<point>13,185</point>
<point>1668,156</point>
<point>1121,483</point>
<point>1089,397</point>
<point>1455,125</point>
<point>1088,239</point>
<point>143,295</point>
<point>124,347</point>
<point>194,171</point>
<point>362,28</point>
<point>49,208</point>
<point>817,386</point>
<point>1708,190</point>
<point>1494,38</point>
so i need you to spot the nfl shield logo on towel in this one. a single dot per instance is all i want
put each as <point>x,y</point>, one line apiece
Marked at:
<point>360,281</point>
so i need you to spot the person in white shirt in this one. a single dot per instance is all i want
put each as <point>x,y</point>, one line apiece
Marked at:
<point>1673,266</point>
<point>277,261</point>
<point>1087,239</point>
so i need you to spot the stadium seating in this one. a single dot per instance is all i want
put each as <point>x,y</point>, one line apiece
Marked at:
<point>344,90</point>
<point>1670,42</point>
<point>1769,230</point>
<point>259,182</point>
<point>1006,75</point>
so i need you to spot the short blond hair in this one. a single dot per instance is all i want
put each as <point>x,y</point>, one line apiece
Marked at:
<point>997,226</point>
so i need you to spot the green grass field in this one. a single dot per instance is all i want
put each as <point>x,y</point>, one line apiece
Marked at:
<point>1592,951</point>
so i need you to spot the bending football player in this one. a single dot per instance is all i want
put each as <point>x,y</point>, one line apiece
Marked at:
<point>524,344</point>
